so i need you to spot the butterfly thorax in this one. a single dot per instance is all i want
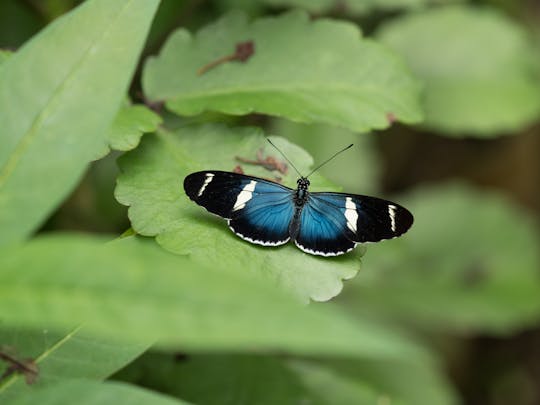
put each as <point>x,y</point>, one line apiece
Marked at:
<point>301,192</point>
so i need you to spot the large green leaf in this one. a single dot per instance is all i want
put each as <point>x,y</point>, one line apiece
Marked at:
<point>133,291</point>
<point>59,356</point>
<point>84,392</point>
<point>477,66</point>
<point>151,185</point>
<point>58,96</point>
<point>320,71</point>
<point>470,262</point>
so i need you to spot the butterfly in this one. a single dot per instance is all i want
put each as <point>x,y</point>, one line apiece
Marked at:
<point>266,213</point>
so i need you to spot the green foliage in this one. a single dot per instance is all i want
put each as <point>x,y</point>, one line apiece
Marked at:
<point>132,291</point>
<point>4,55</point>
<point>477,65</point>
<point>236,379</point>
<point>86,392</point>
<point>488,280</point>
<point>226,321</point>
<point>68,81</point>
<point>327,73</point>
<point>319,139</point>
<point>355,6</point>
<point>131,122</point>
<point>151,185</point>
<point>63,355</point>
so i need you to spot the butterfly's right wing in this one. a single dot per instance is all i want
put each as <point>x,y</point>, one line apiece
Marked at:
<point>257,210</point>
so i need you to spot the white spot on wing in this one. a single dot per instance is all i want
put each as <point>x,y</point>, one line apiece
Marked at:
<point>319,253</point>
<point>257,241</point>
<point>209,177</point>
<point>392,213</point>
<point>245,195</point>
<point>350,214</point>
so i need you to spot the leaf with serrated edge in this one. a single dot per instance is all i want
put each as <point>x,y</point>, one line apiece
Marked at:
<point>134,291</point>
<point>151,185</point>
<point>58,97</point>
<point>72,354</point>
<point>478,69</point>
<point>313,72</point>
<point>131,122</point>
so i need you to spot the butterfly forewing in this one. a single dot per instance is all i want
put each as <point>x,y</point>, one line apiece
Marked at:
<point>257,210</point>
<point>367,219</point>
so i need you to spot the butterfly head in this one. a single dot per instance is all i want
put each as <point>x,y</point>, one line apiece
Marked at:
<point>303,183</point>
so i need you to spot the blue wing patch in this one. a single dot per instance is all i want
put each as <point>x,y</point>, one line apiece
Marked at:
<point>367,219</point>
<point>257,210</point>
<point>323,228</point>
<point>262,214</point>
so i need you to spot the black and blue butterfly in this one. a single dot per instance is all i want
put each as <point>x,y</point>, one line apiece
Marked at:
<point>269,214</point>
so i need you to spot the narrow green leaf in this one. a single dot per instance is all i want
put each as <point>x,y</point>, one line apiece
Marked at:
<point>134,291</point>
<point>84,392</point>
<point>60,356</point>
<point>58,96</point>
<point>314,72</point>
<point>131,122</point>
<point>477,66</point>
<point>151,185</point>
<point>469,263</point>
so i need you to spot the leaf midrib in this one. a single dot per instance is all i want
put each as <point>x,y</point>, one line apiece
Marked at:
<point>28,137</point>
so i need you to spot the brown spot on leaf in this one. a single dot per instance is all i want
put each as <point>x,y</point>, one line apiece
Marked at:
<point>268,162</point>
<point>243,51</point>
<point>26,367</point>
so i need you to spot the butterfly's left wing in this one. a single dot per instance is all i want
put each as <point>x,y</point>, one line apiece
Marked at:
<point>257,210</point>
<point>333,223</point>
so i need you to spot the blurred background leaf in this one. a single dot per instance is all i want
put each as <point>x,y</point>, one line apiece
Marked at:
<point>478,66</point>
<point>469,264</point>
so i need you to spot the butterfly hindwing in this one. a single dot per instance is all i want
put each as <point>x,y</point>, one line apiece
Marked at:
<point>257,210</point>
<point>367,219</point>
<point>323,230</point>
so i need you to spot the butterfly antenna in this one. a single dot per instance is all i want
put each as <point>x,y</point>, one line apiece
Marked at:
<point>282,154</point>
<point>329,159</point>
